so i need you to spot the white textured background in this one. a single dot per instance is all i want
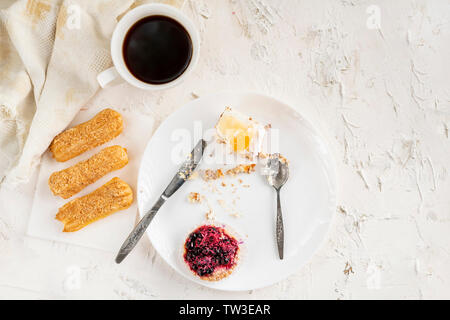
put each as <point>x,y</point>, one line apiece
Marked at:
<point>380,97</point>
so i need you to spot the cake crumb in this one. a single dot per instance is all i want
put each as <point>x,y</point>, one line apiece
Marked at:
<point>283,159</point>
<point>242,168</point>
<point>249,156</point>
<point>235,214</point>
<point>194,95</point>
<point>194,197</point>
<point>210,215</point>
<point>209,174</point>
<point>262,155</point>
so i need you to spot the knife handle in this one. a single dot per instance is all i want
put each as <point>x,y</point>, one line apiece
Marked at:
<point>280,228</point>
<point>139,230</point>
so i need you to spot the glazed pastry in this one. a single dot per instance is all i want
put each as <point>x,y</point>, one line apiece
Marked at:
<point>67,182</point>
<point>211,252</point>
<point>105,126</point>
<point>113,196</point>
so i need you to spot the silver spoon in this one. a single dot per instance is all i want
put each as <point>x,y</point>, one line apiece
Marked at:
<point>277,175</point>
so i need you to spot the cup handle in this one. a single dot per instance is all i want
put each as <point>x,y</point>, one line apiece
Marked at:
<point>107,76</point>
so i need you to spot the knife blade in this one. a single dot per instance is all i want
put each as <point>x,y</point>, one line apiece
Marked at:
<point>183,174</point>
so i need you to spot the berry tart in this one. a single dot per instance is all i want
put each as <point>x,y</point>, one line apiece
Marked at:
<point>211,253</point>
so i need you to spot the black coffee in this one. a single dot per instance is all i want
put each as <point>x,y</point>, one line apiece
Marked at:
<point>157,49</point>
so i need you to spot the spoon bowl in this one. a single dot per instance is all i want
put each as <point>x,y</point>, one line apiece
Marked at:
<point>278,172</point>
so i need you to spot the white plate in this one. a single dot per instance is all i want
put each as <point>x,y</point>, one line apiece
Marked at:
<point>308,198</point>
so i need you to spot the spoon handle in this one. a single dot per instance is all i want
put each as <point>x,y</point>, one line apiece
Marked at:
<point>280,228</point>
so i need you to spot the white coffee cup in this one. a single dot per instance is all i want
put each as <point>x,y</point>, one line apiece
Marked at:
<point>118,37</point>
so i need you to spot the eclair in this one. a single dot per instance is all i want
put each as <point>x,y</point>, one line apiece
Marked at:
<point>105,126</point>
<point>113,196</point>
<point>70,181</point>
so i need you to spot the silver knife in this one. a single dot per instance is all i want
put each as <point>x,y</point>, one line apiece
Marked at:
<point>180,177</point>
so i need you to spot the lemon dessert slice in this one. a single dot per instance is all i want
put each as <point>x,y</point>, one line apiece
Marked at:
<point>240,133</point>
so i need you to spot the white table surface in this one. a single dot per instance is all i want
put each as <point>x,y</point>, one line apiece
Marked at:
<point>380,98</point>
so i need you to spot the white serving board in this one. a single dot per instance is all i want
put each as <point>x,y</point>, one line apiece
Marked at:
<point>108,233</point>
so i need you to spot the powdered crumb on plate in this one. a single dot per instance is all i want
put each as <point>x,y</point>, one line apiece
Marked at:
<point>210,214</point>
<point>195,197</point>
<point>210,174</point>
<point>242,168</point>
<point>235,214</point>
